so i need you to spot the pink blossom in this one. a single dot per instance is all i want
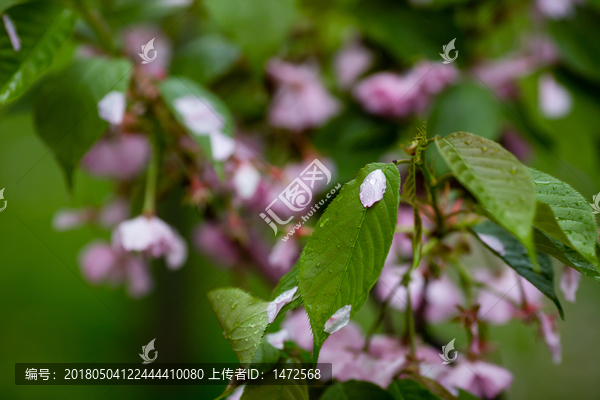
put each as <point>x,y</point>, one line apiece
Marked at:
<point>482,379</point>
<point>365,367</point>
<point>210,239</point>
<point>441,299</point>
<point>298,325</point>
<point>514,143</point>
<point>557,9</point>
<point>555,101</point>
<point>284,254</point>
<point>140,35</point>
<point>393,95</point>
<point>551,336</point>
<point>498,304</point>
<point>152,236</point>
<point>280,301</point>
<point>121,157</point>
<point>67,219</point>
<point>351,62</point>
<point>300,100</point>
<point>113,213</point>
<point>338,319</point>
<point>278,339</point>
<point>390,279</point>
<point>102,263</point>
<point>569,283</point>
<point>111,108</point>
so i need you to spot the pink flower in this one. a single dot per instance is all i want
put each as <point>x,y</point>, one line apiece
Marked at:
<point>13,36</point>
<point>393,95</point>
<point>298,325</point>
<point>209,239</point>
<point>390,279</point>
<point>514,143</point>
<point>122,157</point>
<point>102,263</point>
<point>555,101</point>
<point>67,219</point>
<point>351,62</point>
<point>140,36</point>
<point>441,299</point>
<point>300,101</point>
<point>113,213</point>
<point>557,9</point>
<point>280,301</point>
<point>477,377</point>
<point>284,254</point>
<point>246,180</point>
<point>278,339</point>
<point>551,336</point>
<point>569,283</point>
<point>498,303</point>
<point>152,236</point>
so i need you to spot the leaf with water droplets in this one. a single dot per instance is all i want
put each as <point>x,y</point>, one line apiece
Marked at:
<point>337,267</point>
<point>499,182</point>
<point>567,216</point>
<point>243,319</point>
<point>288,282</point>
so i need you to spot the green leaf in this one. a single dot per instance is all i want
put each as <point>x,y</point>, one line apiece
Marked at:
<point>577,41</point>
<point>42,27</point>
<point>409,389</point>
<point>409,190</point>
<point>265,357</point>
<point>500,183</point>
<point>355,390</point>
<point>515,255</point>
<point>466,107</point>
<point>243,319</point>
<point>564,254</point>
<point>205,59</point>
<point>176,87</point>
<point>66,111</point>
<point>275,392</point>
<point>257,26</point>
<point>344,256</point>
<point>463,395</point>
<point>569,219</point>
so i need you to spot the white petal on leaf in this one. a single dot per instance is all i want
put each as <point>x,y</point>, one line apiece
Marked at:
<point>372,188</point>
<point>112,107</point>
<point>493,243</point>
<point>222,146</point>
<point>339,319</point>
<point>280,301</point>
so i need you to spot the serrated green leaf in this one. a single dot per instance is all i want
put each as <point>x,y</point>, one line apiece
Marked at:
<point>564,254</point>
<point>242,318</point>
<point>175,88</point>
<point>515,255</point>
<point>572,221</point>
<point>42,27</point>
<point>66,111</point>
<point>265,357</point>
<point>343,258</point>
<point>355,390</point>
<point>271,391</point>
<point>500,183</point>
<point>409,389</point>
<point>409,190</point>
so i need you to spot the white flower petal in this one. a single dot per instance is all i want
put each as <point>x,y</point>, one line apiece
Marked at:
<point>277,339</point>
<point>338,320</point>
<point>246,180</point>
<point>11,30</point>
<point>222,146</point>
<point>280,301</point>
<point>112,107</point>
<point>492,242</point>
<point>555,100</point>
<point>372,188</point>
<point>199,114</point>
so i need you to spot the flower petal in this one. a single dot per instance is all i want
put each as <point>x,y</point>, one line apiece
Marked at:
<point>372,188</point>
<point>338,320</point>
<point>280,301</point>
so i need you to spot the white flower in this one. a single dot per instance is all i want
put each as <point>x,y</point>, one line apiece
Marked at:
<point>555,101</point>
<point>112,107</point>
<point>280,301</point>
<point>152,236</point>
<point>9,25</point>
<point>372,188</point>
<point>277,339</point>
<point>338,320</point>
<point>246,180</point>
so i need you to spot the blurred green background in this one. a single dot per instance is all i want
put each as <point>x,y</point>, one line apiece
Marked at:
<point>49,314</point>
